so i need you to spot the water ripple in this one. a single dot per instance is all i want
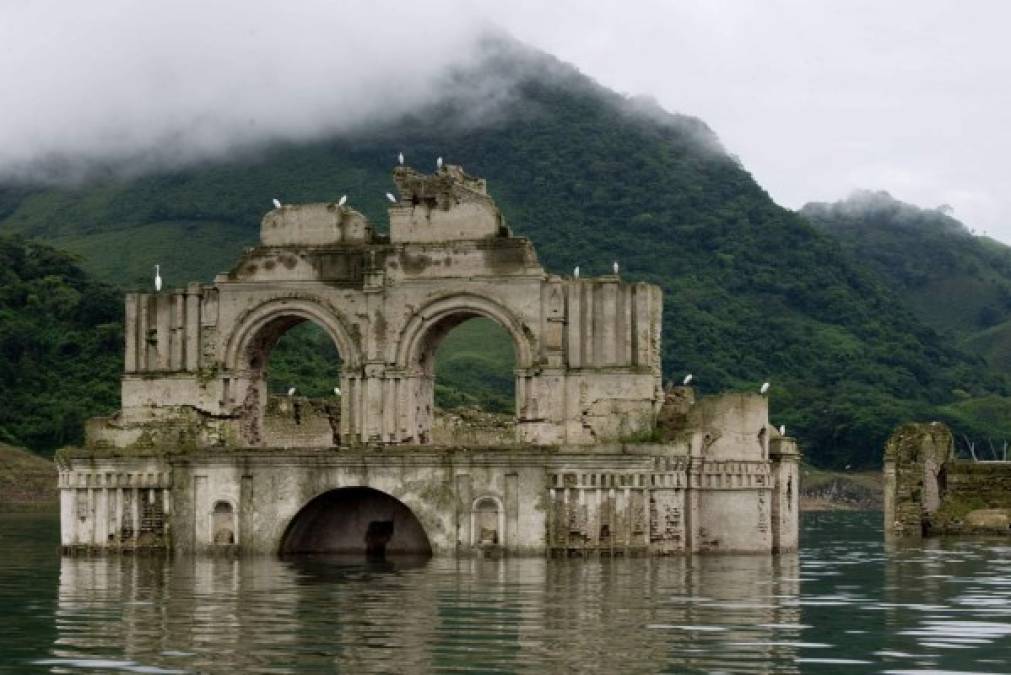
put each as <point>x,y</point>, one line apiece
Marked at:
<point>859,605</point>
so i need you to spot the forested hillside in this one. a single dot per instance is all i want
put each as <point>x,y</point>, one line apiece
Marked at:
<point>61,342</point>
<point>953,280</point>
<point>753,292</point>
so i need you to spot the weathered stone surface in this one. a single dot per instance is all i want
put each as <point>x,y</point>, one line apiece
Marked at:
<point>929,492</point>
<point>989,519</point>
<point>595,460</point>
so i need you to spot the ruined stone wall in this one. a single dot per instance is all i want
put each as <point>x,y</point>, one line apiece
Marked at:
<point>582,468</point>
<point>914,455</point>
<point>976,498</point>
<point>115,505</point>
<point>929,492</point>
<point>300,422</point>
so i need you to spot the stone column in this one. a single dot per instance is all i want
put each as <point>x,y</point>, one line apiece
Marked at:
<point>785,478</point>
<point>192,327</point>
<point>130,326</point>
<point>914,455</point>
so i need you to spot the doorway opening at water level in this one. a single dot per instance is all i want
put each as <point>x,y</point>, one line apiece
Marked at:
<point>356,521</point>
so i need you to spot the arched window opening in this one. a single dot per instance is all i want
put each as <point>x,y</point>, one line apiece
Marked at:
<point>475,383</point>
<point>294,398</point>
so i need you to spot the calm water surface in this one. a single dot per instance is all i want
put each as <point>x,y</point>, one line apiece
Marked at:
<point>846,603</point>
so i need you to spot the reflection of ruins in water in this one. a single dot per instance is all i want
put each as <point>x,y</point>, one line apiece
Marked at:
<point>525,613</point>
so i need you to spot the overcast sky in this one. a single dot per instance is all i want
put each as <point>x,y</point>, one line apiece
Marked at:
<point>816,98</point>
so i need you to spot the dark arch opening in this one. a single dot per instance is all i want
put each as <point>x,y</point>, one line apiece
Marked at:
<point>466,392</point>
<point>293,354</point>
<point>357,521</point>
<point>475,365</point>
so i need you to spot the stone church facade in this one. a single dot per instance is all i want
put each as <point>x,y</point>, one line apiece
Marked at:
<point>599,457</point>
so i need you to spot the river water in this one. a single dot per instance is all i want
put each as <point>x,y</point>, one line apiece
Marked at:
<point>845,603</point>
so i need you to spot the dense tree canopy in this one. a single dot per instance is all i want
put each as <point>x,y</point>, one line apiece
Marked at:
<point>60,346</point>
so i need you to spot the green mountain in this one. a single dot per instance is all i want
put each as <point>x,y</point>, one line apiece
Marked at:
<point>61,341</point>
<point>753,292</point>
<point>954,281</point>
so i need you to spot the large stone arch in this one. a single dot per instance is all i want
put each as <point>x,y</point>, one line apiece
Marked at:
<point>253,322</point>
<point>414,352</point>
<point>248,346</point>
<point>356,520</point>
<point>457,308</point>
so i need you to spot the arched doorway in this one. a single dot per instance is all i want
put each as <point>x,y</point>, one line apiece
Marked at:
<point>356,521</point>
<point>496,335</point>
<point>290,360</point>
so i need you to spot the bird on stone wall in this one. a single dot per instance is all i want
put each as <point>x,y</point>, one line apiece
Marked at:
<point>575,272</point>
<point>782,430</point>
<point>157,277</point>
<point>336,391</point>
<point>400,158</point>
<point>438,163</point>
<point>687,380</point>
<point>343,200</point>
<point>277,203</point>
<point>291,391</point>
<point>614,266</point>
<point>765,389</point>
<point>391,198</point>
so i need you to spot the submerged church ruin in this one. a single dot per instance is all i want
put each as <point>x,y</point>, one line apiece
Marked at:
<point>600,458</point>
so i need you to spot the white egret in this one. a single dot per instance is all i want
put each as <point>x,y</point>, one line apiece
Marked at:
<point>291,391</point>
<point>157,277</point>
<point>575,272</point>
<point>277,203</point>
<point>614,267</point>
<point>400,158</point>
<point>687,380</point>
<point>393,200</point>
<point>343,200</point>
<point>765,389</point>
<point>438,163</point>
<point>782,430</point>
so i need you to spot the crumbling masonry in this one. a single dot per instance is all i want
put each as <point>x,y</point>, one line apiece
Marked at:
<point>201,457</point>
<point>928,491</point>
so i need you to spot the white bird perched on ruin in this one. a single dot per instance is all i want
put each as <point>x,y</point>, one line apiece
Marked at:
<point>575,272</point>
<point>336,391</point>
<point>438,163</point>
<point>614,267</point>
<point>765,389</point>
<point>393,200</point>
<point>782,430</point>
<point>343,200</point>
<point>688,379</point>
<point>157,277</point>
<point>400,158</point>
<point>277,203</point>
<point>291,391</point>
